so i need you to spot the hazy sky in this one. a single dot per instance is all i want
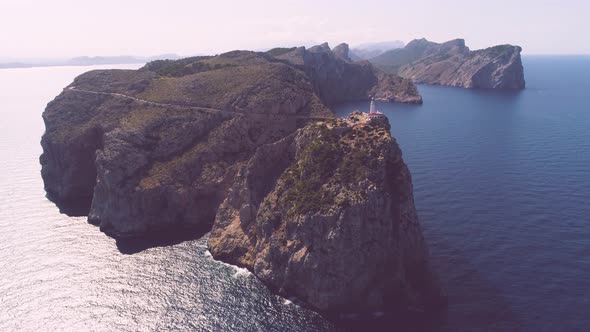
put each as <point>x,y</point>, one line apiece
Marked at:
<point>64,28</point>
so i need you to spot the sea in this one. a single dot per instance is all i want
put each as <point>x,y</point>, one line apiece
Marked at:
<point>501,184</point>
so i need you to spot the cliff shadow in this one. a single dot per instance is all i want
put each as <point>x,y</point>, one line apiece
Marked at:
<point>134,245</point>
<point>73,211</point>
<point>72,208</point>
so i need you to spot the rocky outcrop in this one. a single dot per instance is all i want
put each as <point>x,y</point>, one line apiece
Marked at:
<point>342,51</point>
<point>337,80</point>
<point>453,64</point>
<point>327,215</point>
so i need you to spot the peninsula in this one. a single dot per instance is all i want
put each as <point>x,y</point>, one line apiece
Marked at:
<point>244,144</point>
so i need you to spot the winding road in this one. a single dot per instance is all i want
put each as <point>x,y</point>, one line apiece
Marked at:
<point>199,108</point>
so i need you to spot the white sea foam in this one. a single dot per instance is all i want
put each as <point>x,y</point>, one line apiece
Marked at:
<point>240,271</point>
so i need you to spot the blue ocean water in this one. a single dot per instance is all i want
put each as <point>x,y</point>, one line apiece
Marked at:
<point>502,187</point>
<point>501,183</point>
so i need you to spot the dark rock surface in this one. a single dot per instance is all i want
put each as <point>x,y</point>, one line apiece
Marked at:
<point>453,64</point>
<point>327,215</point>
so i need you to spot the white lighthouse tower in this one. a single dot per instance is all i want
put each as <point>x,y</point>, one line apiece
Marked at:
<point>372,108</point>
<point>373,113</point>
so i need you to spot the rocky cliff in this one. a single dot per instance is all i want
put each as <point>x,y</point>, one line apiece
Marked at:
<point>327,214</point>
<point>453,64</point>
<point>155,149</point>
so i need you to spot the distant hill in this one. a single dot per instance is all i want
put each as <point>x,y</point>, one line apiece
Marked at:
<point>14,65</point>
<point>90,61</point>
<point>370,50</point>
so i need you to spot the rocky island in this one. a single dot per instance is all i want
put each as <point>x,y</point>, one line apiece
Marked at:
<point>244,144</point>
<point>453,64</point>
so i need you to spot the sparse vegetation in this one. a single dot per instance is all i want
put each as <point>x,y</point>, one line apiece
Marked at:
<point>183,67</point>
<point>493,51</point>
<point>330,165</point>
<point>353,167</point>
<point>316,163</point>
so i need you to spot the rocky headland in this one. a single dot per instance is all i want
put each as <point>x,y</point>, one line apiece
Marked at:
<point>244,143</point>
<point>453,64</point>
<point>327,214</point>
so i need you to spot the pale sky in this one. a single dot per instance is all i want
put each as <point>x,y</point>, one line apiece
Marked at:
<point>67,28</point>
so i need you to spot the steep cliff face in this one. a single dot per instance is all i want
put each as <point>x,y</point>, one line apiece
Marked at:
<point>327,215</point>
<point>142,151</point>
<point>337,80</point>
<point>453,64</point>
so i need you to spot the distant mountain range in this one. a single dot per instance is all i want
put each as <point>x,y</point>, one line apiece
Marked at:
<point>363,51</point>
<point>368,51</point>
<point>88,61</point>
<point>450,63</point>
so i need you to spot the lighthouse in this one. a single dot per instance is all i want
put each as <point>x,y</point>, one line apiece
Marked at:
<point>372,108</point>
<point>373,113</point>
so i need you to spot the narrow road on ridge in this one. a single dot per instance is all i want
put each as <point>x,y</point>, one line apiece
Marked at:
<point>200,108</point>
